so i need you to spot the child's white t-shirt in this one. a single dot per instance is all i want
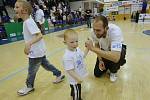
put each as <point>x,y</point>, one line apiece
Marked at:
<point>74,60</point>
<point>30,29</point>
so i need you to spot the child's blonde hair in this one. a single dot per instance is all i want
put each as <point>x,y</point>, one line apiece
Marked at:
<point>69,32</point>
<point>26,5</point>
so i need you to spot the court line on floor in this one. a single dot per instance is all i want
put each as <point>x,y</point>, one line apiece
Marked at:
<point>12,74</point>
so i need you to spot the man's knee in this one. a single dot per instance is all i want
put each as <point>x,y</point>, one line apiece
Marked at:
<point>98,73</point>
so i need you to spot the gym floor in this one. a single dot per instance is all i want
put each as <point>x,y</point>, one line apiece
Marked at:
<point>133,78</point>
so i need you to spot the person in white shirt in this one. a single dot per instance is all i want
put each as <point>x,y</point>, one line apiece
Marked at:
<point>40,2</point>
<point>80,10</point>
<point>53,19</point>
<point>39,18</point>
<point>73,62</point>
<point>65,9</point>
<point>95,12</point>
<point>34,47</point>
<point>109,47</point>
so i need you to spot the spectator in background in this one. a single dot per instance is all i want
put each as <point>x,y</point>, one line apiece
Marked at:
<point>88,17</point>
<point>80,11</point>
<point>2,8</point>
<point>39,18</point>
<point>137,16</point>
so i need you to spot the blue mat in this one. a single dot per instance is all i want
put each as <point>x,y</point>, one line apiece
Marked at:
<point>4,41</point>
<point>147,32</point>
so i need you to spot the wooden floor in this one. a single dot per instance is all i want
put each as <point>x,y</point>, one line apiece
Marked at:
<point>132,84</point>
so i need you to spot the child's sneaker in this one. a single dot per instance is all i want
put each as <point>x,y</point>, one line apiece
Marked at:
<point>59,79</point>
<point>113,77</point>
<point>25,91</point>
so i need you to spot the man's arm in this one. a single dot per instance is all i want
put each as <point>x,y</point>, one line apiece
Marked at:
<point>110,55</point>
<point>98,46</point>
<point>101,63</point>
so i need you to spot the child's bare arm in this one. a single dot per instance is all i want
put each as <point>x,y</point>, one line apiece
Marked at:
<point>36,38</point>
<point>75,75</point>
<point>86,49</point>
<point>86,52</point>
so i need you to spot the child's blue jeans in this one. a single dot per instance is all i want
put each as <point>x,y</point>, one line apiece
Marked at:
<point>34,64</point>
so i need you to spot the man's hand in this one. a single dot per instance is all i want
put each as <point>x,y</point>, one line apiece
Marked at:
<point>27,48</point>
<point>101,66</point>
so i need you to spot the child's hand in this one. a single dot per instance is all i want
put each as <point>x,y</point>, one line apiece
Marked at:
<point>101,66</point>
<point>89,38</point>
<point>89,44</point>
<point>80,81</point>
<point>27,48</point>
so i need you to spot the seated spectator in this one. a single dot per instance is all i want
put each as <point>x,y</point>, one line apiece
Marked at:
<point>2,8</point>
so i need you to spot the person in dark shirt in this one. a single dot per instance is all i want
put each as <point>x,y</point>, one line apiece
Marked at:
<point>88,17</point>
<point>2,8</point>
<point>137,16</point>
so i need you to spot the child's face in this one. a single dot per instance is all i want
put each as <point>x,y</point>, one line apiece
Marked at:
<point>72,42</point>
<point>18,9</point>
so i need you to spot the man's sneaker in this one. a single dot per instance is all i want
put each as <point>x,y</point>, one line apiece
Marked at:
<point>25,91</point>
<point>113,77</point>
<point>59,79</point>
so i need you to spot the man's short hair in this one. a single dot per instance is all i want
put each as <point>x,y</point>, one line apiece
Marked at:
<point>103,19</point>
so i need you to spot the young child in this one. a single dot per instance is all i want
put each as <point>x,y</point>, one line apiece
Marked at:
<point>73,63</point>
<point>34,47</point>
